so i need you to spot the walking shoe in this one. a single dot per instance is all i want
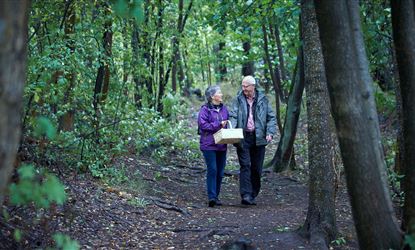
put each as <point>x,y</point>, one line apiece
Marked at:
<point>212,203</point>
<point>247,200</point>
<point>218,202</point>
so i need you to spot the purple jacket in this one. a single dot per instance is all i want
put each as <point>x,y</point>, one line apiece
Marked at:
<point>209,120</point>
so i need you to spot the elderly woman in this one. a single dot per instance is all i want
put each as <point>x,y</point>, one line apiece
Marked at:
<point>213,116</point>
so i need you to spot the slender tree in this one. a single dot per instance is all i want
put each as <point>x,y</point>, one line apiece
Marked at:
<point>354,112</point>
<point>181,22</point>
<point>320,224</point>
<point>403,21</point>
<point>284,156</point>
<point>66,122</point>
<point>13,54</point>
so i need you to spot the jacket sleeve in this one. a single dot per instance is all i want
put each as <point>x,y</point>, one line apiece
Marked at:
<point>205,124</point>
<point>271,121</point>
<point>233,113</point>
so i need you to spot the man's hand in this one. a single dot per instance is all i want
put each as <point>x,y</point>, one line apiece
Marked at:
<point>269,138</point>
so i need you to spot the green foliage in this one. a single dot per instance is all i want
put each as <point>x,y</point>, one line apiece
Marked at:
<point>340,241</point>
<point>17,235</point>
<point>161,137</point>
<point>170,105</point>
<point>44,127</point>
<point>385,102</point>
<point>129,9</point>
<point>64,242</point>
<point>409,239</point>
<point>138,202</point>
<point>41,188</point>
<point>281,229</point>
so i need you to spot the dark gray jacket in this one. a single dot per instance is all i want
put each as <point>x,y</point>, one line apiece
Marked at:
<point>264,116</point>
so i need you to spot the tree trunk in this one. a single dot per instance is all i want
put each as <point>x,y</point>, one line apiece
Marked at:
<point>274,77</point>
<point>285,150</point>
<point>209,71</point>
<point>103,74</point>
<point>320,224</point>
<point>66,122</point>
<point>189,79</point>
<point>266,84</point>
<point>276,33</point>
<point>162,82</point>
<point>175,44</point>
<point>354,112</point>
<point>13,54</point>
<point>135,62</point>
<point>107,40</point>
<point>403,21</point>
<point>248,67</point>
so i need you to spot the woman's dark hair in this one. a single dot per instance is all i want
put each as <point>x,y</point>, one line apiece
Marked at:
<point>210,91</point>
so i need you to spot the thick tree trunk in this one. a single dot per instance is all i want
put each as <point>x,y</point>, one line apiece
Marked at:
<point>320,224</point>
<point>285,151</point>
<point>13,54</point>
<point>354,112</point>
<point>403,21</point>
<point>248,67</point>
<point>222,69</point>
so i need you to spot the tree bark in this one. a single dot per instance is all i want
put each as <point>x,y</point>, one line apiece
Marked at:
<point>403,21</point>
<point>248,67</point>
<point>274,77</point>
<point>66,122</point>
<point>284,155</point>
<point>175,43</point>
<point>103,74</point>
<point>320,224</point>
<point>354,112</point>
<point>136,76</point>
<point>276,33</point>
<point>181,22</point>
<point>162,82</point>
<point>13,54</point>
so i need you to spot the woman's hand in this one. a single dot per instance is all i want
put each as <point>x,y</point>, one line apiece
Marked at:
<point>223,123</point>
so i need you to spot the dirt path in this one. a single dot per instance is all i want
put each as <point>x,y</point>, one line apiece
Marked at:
<point>164,206</point>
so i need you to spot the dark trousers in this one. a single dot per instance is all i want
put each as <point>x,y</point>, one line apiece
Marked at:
<point>215,162</point>
<point>251,160</point>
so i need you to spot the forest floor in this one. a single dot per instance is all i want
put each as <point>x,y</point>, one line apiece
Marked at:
<point>164,206</point>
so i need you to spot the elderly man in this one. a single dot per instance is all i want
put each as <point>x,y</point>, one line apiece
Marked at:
<point>252,112</point>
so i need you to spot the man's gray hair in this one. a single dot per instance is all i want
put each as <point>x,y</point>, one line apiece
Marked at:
<point>249,80</point>
<point>211,91</point>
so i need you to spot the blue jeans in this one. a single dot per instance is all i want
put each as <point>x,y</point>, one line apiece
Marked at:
<point>215,162</point>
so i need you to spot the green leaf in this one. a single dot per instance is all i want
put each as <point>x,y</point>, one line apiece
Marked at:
<point>65,242</point>
<point>17,235</point>
<point>121,8</point>
<point>45,127</point>
<point>54,190</point>
<point>26,172</point>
